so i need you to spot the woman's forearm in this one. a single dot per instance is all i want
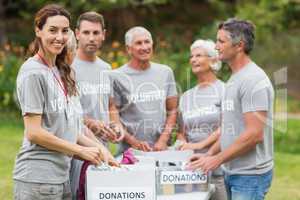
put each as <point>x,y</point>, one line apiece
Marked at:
<point>40,136</point>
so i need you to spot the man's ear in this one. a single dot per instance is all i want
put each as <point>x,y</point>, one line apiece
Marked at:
<point>241,45</point>
<point>104,34</point>
<point>128,50</point>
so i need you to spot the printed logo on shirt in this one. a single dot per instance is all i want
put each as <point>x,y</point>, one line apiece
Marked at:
<point>206,110</point>
<point>228,105</point>
<point>196,130</point>
<point>86,88</point>
<point>228,129</point>
<point>147,96</point>
<point>58,104</point>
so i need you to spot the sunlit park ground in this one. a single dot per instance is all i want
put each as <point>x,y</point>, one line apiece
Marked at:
<point>285,186</point>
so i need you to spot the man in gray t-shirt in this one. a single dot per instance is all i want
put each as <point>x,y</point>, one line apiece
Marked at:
<point>248,91</point>
<point>246,143</point>
<point>93,82</point>
<point>92,78</point>
<point>145,94</point>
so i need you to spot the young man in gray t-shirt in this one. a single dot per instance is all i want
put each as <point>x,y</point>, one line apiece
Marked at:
<point>145,94</point>
<point>246,143</point>
<point>92,78</point>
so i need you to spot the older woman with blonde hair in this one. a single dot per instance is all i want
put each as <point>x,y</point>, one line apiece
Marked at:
<point>200,107</point>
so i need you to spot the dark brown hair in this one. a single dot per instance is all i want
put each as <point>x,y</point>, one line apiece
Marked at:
<point>90,16</point>
<point>66,72</point>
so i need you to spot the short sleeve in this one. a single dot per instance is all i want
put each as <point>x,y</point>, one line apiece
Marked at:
<point>30,94</point>
<point>171,84</point>
<point>116,91</point>
<point>110,80</point>
<point>106,66</point>
<point>256,95</point>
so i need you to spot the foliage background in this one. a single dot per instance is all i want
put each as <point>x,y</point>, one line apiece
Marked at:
<point>174,25</point>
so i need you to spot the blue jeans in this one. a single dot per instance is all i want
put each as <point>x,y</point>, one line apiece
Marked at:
<point>248,187</point>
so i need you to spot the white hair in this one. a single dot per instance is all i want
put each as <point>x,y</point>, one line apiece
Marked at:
<point>137,30</point>
<point>209,47</point>
<point>71,43</point>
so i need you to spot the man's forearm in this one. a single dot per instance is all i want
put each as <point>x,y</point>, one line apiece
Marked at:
<point>130,139</point>
<point>171,106</point>
<point>246,142</point>
<point>115,117</point>
<point>169,125</point>
<point>88,133</point>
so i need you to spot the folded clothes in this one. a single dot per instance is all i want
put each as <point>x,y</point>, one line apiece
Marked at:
<point>128,157</point>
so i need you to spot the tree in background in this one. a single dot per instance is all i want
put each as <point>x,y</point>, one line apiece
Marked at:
<point>174,24</point>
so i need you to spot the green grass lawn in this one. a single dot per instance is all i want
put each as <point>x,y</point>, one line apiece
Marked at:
<point>285,186</point>
<point>11,134</point>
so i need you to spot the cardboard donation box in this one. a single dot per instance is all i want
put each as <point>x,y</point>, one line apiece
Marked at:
<point>130,182</point>
<point>173,179</point>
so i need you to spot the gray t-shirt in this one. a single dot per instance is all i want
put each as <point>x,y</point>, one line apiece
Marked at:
<point>94,87</point>
<point>39,92</point>
<point>248,90</point>
<point>95,90</point>
<point>140,96</point>
<point>200,113</point>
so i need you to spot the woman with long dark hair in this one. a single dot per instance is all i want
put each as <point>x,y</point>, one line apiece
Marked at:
<point>52,114</point>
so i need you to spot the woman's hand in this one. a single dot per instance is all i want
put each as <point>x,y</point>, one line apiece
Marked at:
<point>92,154</point>
<point>107,157</point>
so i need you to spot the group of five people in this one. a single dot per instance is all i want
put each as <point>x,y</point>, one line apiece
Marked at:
<point>73,103</point>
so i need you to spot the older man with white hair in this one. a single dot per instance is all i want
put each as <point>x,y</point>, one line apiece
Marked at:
<point>200,108</point>
<point>145,94</point>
